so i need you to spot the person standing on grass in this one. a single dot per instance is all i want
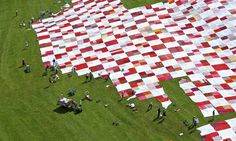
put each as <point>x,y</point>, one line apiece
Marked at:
<point>213,115</point>
<point>16,12</point>
<point>195,121</point>
<point>73,69</point>
<point>32,19</point>
<point>27,69</point>
<point>87,77</point>
<point>90,76</point>
<point>23,62</point>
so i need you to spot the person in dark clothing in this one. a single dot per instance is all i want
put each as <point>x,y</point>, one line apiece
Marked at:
<point>90,76</point>
<point>87,77</point>
<point>23,62</point>
<point>73,70</point>
<point>107,78</point>
<point>195,122</point>
<point>16,12</point>
<point>133,92</point>
<point>115,123</point>
<point>213,115</point>
<point>27,69</point>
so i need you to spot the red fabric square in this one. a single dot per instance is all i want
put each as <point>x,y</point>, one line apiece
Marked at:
<point>220,67</point>
<point>221,125</point>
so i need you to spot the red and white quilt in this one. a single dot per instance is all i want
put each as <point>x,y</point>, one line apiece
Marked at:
<point>142,46</point>
<point>219,131</point>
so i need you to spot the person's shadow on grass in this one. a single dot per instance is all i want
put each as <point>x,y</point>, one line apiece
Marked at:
<point>47,86</point>
<point>159,122</point>
<point>62,110</point>
<point>211,120</point>
<point>192,131</point>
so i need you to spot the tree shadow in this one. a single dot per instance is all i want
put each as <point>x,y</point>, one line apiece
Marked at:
<point>62,110</point>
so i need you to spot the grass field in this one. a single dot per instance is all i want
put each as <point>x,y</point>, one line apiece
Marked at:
<point>29,111</point>
<point>137,3</point>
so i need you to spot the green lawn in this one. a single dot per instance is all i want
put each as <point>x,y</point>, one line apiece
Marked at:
<point>137,3</point>
<point>29,111</point>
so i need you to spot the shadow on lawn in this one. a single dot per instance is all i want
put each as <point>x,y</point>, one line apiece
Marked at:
<point>62,110</point>
<point>159,120</point>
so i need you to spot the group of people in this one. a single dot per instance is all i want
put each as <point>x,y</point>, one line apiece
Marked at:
<point>71,104</point>
<point>54,77</point>
<point>78,108</point>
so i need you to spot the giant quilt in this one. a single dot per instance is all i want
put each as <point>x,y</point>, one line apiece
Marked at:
<point>219,131</point>
<point>139,47</point>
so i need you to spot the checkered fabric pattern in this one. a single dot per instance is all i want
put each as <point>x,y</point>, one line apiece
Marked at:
<point>211,95</point>
<point>219,131</point>
<point>142,46</point>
